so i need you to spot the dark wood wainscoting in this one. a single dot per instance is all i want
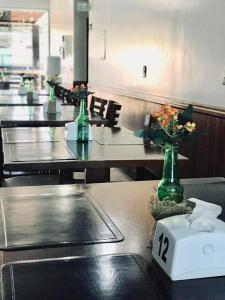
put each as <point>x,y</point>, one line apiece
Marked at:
<point>207,154</point>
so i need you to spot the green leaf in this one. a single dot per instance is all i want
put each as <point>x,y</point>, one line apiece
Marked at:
<point>157,135</point>
<point>193,137</point>
<point>186,115</point>
<point>160,137</point>
<point>139,132</point>
<point>188,112</point>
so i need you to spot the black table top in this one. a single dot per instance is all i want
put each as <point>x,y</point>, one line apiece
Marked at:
<point>111,147</point>
<point>14,91</point>
<point>17,100</point>
<point>211,192</point>
<point>54,221</point>
<point>95,278</point>
<point>124,277</point>
<point>24,116</point>
<point>127,204</point>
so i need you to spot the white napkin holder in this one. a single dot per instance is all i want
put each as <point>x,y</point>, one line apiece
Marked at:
<point>71,132</point>
<point>52,107</point>
<point>187,249</point>
<point>22,91</point>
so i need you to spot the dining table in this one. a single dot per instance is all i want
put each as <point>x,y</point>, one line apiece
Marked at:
<point>28,116</point>
<point>92,241</point>
<point>45,148</point>
<point>14,91</point>
<point>21,100</point>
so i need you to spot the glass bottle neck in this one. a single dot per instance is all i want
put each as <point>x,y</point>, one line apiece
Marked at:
<point>52,94</point>
<point>30,87</point>
<point>170,163</point>
<point>82,107</point>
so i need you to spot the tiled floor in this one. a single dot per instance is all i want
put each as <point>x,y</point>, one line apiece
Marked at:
<point>117,175</point>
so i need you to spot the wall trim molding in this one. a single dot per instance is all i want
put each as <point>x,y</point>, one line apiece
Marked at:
<point>207,155</point>
<point>178,103</point>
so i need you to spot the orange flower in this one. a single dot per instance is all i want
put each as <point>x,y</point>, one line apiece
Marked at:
<point>168,113</point>
<point>165,122</point>
<point>173,112</point>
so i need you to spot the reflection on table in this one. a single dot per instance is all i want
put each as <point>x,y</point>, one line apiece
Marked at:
<point>13,116</point>
<point>44,148</point>
<point>117,273</point>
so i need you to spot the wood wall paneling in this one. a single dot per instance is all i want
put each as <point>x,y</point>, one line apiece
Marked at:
<point>207,154</point>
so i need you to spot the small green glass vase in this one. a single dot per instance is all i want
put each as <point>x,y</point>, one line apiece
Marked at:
<point>83,123</point>
<point>170,188</point>
<point>52,94</point>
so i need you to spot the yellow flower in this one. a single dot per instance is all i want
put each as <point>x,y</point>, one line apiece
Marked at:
<point>156,114</point>
<point>190,126</point>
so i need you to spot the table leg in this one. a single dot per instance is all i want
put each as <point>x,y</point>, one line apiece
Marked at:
<point>97,175</point>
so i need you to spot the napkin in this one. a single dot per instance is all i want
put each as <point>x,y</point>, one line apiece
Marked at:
<point>22,91</point>
<point>70,132</point>
<point>204,215</point>
<point>35,95</point>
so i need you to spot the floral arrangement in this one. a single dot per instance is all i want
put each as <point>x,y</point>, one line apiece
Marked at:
<point>53,80</point>
<point>52,83</point>
<point>81,91</point>
<point>174,127</point>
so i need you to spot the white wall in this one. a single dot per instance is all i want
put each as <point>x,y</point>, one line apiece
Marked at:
<point>62,24</point>
<point>27,4</point>
<point>182,43</point>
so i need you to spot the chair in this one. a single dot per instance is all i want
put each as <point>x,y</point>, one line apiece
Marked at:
<point>147,121</point>
<point>79,82</point>
<point>112,114</point>
<point>147,172</point>
<point>61,93</point>
<point>57,90</point>
<point>98,105</point>
<point>65,95</point>
<point>72,99</point>
<point>147,125</point>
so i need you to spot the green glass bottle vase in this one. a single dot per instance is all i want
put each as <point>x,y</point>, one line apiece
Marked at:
<point>30,91</point>
<point>51,94</point>
<point>170,188</point>
<point>83,123</point>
